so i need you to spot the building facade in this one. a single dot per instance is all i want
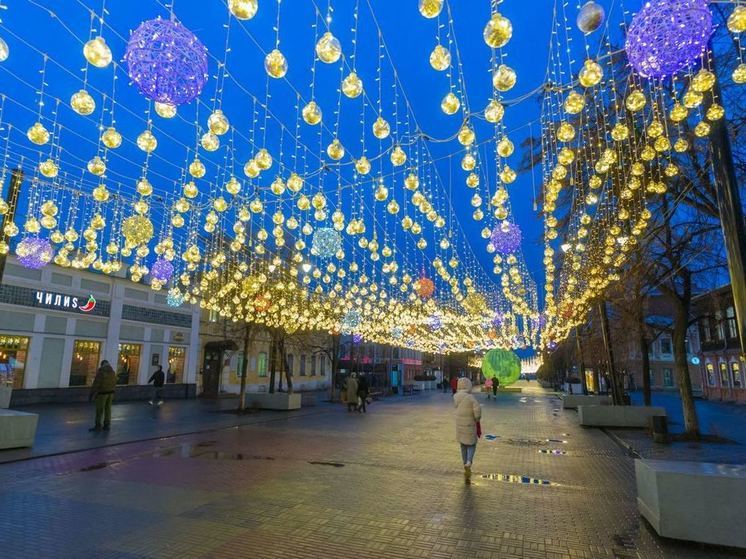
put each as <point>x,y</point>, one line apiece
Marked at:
<point>221,359</point>
<point>722,363</point>
<point>386,366</point>
<point>57,325</point>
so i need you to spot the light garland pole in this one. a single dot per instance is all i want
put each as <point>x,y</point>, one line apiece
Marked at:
<point>16,180</point>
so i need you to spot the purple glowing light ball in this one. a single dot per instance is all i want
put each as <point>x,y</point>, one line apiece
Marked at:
<point>162,270</point>
<point>166,61</point>
<point>506,238</point>
<point>34,253</point>
<point>667,36</point>
<point>357,338</point>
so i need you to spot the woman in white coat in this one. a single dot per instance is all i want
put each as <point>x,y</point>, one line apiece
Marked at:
<point>468,413</point>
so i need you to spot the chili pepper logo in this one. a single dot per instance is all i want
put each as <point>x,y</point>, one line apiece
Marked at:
<point>90,305</point>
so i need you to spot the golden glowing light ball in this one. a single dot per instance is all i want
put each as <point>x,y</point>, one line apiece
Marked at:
<point>504,78</point>
<point>37,134</point>
<point>311,113</point>
<point>243,9</point>
<point>111,138</point>
<point>574,103</point>
<point>218,123</point>
<point>96,166</point>
<point>352,85</point>
<point>48,168</point>
<point>450,103</point>
<point>97,52</point>
<point>147,142</point>
<point>82,103</point>
<point>4,53</point>
<point>498,31</point>
<point>137,230</point>
<point>430,8</point>
<point>398,157</point>
<point>440,58</point>
<point>275,64</point>
<point>739,74</point>
<point>335,150</point>
<point>591,74</point>
<point>737,20</point>
<point>328,48</point>
<point>494,111</point>
<point>164,110</point>
<point>362,165</point>
<point>381,128</point>
<point>209,141</point>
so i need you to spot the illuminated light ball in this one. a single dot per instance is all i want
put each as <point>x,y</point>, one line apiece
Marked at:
<point>506,238</point>
<point>335,150</point>
<point>434,322</point>
<point>440,58</point>
<point>4,50</point>
<point>174,298</point>
<point>218,123</point>
<point>397,332</point>
<point>362,165</point>
<point>466,135</point>
<point>275,64</point>
<point>474,303</point>
<point>328,48</point>
<point>311,113</point>
<point>96,166</point>
<point>34,252</point>
<point>574,102</point>
<point>162,270</point>
<point>352,85</point>
<point>450,103</point>
<point>590,17</point>
<point>137,230</point>
<point>97,52</point>
<point>37,134</point>
<point>111,138</point>
<point>147,142</point>
<point>164,110</point>
<point>424,287</point>
<point>667,36</point>
<point>49,168</point>
<point>166,61</point>
<point>82,102</point>
<point>494,111</point>
<point>591,74</point>
<point>737,20</point>
<point>209,141</point>
<point>430,8</point>
<point>498,31</point>
<point>243,9</point>
<point>351,321</point>
<point>381,128</point>
<point>505,147</point>
<point>357,338</point>
<point>504,78</point>
<point>739,74</point>
<point>503,365</point>
<point>326,242</point>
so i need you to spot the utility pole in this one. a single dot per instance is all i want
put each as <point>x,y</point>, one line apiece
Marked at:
<point>581,365</point>
<point>616,393</point>
<point>731,217</point>
<point>16,180</point>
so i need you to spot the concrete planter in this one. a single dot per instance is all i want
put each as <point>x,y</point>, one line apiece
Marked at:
<point>693,501</point>
<point>17,428</point>
<point>5,393</point>
<point>277,401</point>
<point>572,401</point>
<point>617,416</point>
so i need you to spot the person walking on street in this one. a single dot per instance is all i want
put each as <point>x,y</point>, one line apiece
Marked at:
<point>468,428</point>
<point>495,386</point>
<point>102,389</point>
<point>454,385</point>
<point>352,392</point>
<point>362,394</point>
<point>158,378</point>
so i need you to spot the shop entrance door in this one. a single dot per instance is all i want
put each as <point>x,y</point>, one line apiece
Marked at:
<point>212,366</point>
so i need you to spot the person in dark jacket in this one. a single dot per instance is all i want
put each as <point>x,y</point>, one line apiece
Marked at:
<point>158,378</point>
<point>495,386</point>
<point>102,390</point>
<point>362,393</point>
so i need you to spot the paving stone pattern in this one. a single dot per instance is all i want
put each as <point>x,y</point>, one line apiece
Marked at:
<point>388,484</point>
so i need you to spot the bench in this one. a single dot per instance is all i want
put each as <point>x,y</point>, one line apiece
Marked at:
<point>695,501</point>
<point>617,416</point>
<point>17,428</point>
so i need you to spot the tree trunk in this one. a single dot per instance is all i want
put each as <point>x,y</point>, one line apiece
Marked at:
<point>244,367</point>
<point>285,367</point>
<point>272,353</point>
<point>644,349</point>
<point>334,357</point>
<point>680,326</point>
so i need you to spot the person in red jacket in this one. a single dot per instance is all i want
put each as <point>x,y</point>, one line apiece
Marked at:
<point>454,384</point>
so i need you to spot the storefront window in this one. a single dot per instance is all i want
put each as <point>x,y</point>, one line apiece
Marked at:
<point>667,377</point>
<point>128,364</point>
<point>735,368</point>
<point>13,351</point>
<point>85,362</point>
<point>710,374</point>
<point>724,374</point>
<point>175,370</point>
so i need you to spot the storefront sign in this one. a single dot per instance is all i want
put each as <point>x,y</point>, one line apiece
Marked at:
<point>65,302</point>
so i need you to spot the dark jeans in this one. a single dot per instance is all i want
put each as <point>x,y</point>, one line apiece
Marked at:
<point>157,393</point>
<point>361,407</point>
<point>103,409</point>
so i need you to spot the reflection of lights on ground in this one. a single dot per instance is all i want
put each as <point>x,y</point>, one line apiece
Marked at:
<point>552,451</point>
<point>522,480</point>
<point>557,441</point>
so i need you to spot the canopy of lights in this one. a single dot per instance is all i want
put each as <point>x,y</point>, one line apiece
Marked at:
<point>301,192</point>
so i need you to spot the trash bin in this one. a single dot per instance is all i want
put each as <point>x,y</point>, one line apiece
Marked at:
<point>659,427</point>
